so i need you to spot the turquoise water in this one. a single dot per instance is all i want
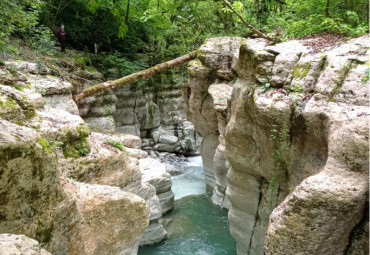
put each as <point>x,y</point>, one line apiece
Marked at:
<point>197,227</point>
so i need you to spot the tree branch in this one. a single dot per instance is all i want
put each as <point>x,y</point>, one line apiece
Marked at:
<point>259,33</point>
<point>135,76</point>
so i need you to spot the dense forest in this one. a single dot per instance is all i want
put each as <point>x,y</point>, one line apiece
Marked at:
<point>136,34</point>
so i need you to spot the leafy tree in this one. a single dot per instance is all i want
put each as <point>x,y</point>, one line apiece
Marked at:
<point>17,16</point>
<point>300,18</point>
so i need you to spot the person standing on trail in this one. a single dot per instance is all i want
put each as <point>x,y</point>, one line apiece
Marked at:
<point>61,34</point>
<point>96,41</point>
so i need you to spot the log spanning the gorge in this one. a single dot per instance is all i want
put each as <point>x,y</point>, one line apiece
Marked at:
<point>135,76</point>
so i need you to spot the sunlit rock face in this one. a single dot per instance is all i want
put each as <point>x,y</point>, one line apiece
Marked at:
<point>20,244</point>
<point>289,130</point>
<point>206,99</point>
<point>69,189</point>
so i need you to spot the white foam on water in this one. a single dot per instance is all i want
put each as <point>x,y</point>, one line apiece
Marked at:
<point>191,181</point>
<point>195,161</point>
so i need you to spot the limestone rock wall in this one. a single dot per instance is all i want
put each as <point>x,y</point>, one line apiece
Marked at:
<point>292,140</point>
<point>61,184</point>
<point>158,117</point>
<point>206,99</point>
<point>126,115</point>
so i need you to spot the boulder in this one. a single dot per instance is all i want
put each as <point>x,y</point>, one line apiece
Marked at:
<point>164,147</point>
<point>101,124</point>
<point>129,129</point>
<point>49,85</point>
<point>154,172</point>
<point>62,102</point>
<point>167,139</point>
<point>11,244</point>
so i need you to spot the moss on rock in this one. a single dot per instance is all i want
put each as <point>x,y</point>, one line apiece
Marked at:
<point>301,71</point>
<point>45,145</point>
<point>10,103</point>
<point>76,146</point>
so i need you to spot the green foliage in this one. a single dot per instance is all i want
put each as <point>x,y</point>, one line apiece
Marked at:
<point>116,65</point>
<point>279,137</point>
<point>45,145</point>
<point>17,16</point>
<point>75,147</point>
<point>298,18</point>
<point>56,145</point>
<point>266,86</point>
<point>366,76</point>
<point>296,88</point>
<point>42,40</point>
<point>116,144</point>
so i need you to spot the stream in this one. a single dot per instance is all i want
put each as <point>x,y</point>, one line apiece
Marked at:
<point>195,226</point>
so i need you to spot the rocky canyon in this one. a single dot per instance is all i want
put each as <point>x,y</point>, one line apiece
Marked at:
<point>285,141</point>
<point>282,130</point>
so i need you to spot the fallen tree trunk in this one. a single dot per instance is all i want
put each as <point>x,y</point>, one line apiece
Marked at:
<point>254,30</point>
<point>135,76</point>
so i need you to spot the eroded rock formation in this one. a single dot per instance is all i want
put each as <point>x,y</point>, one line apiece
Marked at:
<point>73,190</point>
<point>158,117</point>
<point>289,129</point>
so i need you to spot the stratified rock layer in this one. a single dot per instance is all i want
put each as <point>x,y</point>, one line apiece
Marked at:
<point>156,115</point>
<point>291,135</point>
<point>206,99</point>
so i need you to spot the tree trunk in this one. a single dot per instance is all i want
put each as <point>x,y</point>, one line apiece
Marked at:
<point>327,14</point>
<point>127,12</point>
<point>254,30</point>
<point>258,12</point>
<point>135,76</point>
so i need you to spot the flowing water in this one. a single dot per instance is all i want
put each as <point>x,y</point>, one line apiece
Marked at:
<point>196,226</point>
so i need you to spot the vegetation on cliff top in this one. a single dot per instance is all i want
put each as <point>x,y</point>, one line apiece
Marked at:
<point>169,28</point>
<point>137,34</point>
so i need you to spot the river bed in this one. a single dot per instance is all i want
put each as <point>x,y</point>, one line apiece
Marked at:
<point>195,226</point>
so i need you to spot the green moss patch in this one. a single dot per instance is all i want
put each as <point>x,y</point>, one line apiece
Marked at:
<point>18,87</point>
<point>301,71</point>
<point>45,145</point>
<point>10,103</point>
<point>75,147</point>
<point>339,82</point>
<point>296,88</point>
<point>44,232</point>
<point>106,111</point>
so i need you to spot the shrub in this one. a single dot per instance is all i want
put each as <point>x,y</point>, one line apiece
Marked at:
<point>116,144</point>
<point>42,40</point>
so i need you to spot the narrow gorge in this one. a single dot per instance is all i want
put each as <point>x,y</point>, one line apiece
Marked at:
<point>282,130</point>
<point>285,142</point>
